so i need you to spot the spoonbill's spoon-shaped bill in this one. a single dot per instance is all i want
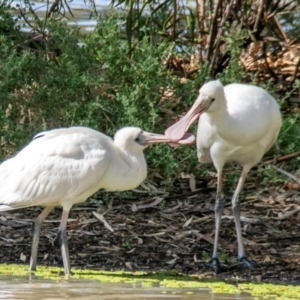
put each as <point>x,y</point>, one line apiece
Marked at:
<point>179,129</point>
<point>238,123</point>
<point>201,105</point>
<point>66,166</point>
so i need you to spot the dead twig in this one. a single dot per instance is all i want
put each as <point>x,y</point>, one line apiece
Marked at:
<point>102,219</point>
<point>287,174</point>
<point>243,219</point>
<point>152,204</point>
<point>284,216</point>
<point>282,158</point>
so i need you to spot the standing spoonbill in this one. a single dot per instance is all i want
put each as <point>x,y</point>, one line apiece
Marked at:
<point>238,123</point>
<point>66,166</point>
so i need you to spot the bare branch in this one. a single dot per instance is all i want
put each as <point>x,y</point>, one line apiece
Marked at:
<point>213,29</point>
<point>259,14</point>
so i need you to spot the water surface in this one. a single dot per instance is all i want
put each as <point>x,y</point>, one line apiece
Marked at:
<point>17,288</point>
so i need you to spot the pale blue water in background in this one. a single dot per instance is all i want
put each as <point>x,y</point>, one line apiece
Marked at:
<point>80,10</point>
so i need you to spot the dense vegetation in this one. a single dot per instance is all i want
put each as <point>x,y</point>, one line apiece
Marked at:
<point>141,67</point>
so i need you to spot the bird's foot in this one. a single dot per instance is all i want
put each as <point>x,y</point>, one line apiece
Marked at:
<point>215,264</point>
<point>248,263</point>
<point>31,271</point>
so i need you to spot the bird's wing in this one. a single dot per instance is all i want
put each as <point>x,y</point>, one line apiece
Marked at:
<point>54,168</point>
<point>251,111</point>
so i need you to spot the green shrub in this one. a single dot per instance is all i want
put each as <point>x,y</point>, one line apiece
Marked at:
<point>104,86</point>
<point>97,85</point>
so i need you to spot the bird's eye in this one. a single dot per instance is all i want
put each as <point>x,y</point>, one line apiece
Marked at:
<point>38,136</point>
<point>137,139</point>
<point>212,100</point>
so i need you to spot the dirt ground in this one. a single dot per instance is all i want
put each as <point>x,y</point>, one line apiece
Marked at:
<point>175,235</point>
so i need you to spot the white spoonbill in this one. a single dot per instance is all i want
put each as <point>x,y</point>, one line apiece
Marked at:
<point>65,166</point>
<point>238,122</point>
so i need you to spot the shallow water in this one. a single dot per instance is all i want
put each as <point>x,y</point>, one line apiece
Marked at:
<point>17,288</point>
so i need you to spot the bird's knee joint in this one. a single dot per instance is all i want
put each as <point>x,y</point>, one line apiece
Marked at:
<point>61,235</point>
<point>218,205</point>
<point>218,208</point>
<point>236,204</point>
<point>35,224</point>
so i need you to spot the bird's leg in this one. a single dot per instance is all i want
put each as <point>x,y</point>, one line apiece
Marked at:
<point>36,236</point>
<point>236,207</point>
<point>214,262</point>
<point>62,236</point>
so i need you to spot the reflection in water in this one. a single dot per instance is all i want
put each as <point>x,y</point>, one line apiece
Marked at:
<point>17,288</point>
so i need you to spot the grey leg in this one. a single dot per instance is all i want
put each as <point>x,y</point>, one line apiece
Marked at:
<point>214,262</point>
<point>36,237</point>
<point>218,218</point>
<point>62,236</point>
<point>236,207</point>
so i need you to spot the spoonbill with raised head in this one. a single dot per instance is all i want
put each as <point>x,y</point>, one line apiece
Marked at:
<point>66,166</point>
<point>238,122</point>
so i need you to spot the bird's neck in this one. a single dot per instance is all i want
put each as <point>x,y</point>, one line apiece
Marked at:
<point>131,170</point>
<point>132,160</point>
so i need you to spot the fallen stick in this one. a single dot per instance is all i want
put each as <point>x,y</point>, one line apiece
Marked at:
<point>243,219</point>
<point>282,158</point>
<point>287,174</point>
<point>152,204</point>
<point>102,219</point>
<point>284,216</point>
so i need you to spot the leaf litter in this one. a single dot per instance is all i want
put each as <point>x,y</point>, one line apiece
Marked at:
<point>173,233</point>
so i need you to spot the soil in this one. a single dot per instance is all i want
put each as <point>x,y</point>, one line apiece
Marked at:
<point>176,235</point>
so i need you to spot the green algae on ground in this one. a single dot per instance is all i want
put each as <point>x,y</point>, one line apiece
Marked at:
<point>281,291</point>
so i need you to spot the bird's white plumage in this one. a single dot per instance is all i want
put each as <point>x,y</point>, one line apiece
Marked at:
<point>241,125</point>
<point>238,123</point>
<point>66,166</point>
